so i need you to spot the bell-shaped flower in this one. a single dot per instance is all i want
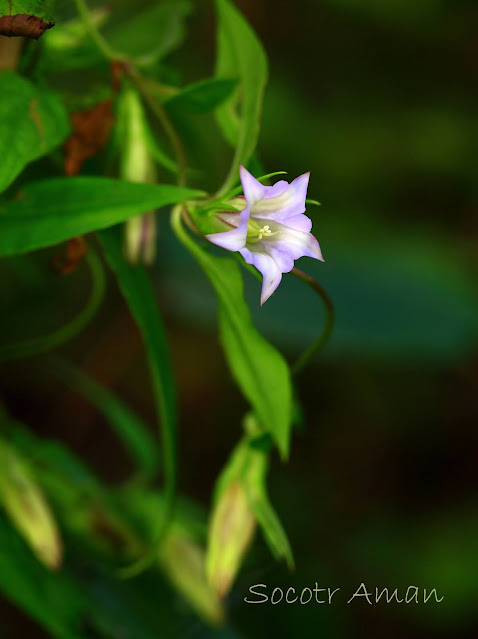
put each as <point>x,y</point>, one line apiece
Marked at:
<point>271,230</point>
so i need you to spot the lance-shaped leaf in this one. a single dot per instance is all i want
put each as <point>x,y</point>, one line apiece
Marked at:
<point>239,55</point>
<point>136,288</point>
<point>32,123</point>
<point>202,96</point>
<point>50,211</point>
<point>152,33</point>
<point>259,369</point>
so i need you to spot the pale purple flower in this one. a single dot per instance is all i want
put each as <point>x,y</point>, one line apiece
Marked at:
<point>271,231</point>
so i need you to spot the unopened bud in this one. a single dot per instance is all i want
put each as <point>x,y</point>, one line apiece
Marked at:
<point>183,561</point>
<point>230,534</point>
<point>137,165</point>
<point>27,508</point>
<point>140,238</point>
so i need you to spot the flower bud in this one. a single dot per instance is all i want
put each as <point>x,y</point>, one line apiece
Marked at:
<point>136,165</point>
<point>183,561</point>
<point>230,534</point>
<point>140,238</point>
<point>219,217</point>
<point>27,508</point>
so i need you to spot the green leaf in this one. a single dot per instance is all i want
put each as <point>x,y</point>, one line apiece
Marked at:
<point>51,211</point>
<point>258,367</point>
<point>131,430</point>
<point>136,288</point>
<point>40,8</point>
<point>270,523</point>
<point>239,55</point>
<point>203,96</point>
<point>32,123</point>
<point>153,33</point>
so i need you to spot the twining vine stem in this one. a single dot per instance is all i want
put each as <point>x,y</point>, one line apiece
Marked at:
<point>324,336</point>
<point>56,338</point>
<point>96,36</point>
<point>142,84</point>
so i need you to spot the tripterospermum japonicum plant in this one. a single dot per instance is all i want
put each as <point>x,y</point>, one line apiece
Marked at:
<point>126,156</point>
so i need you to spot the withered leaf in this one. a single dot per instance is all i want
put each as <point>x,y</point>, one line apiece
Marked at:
<point>91,130</point>
<point>24,25</point>
<point>67,262</point>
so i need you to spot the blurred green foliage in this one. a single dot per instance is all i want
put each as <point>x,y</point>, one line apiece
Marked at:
<point>377,100</point>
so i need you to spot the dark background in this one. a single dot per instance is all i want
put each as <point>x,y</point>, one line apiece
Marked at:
<point>378,100</point>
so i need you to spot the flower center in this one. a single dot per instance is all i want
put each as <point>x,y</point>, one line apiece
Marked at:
<point>255,232</point>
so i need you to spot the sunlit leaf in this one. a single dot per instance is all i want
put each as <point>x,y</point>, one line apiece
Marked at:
<point>47,212</point>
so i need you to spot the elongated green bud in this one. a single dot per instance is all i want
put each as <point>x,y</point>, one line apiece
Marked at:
<point>183,561</point>
<point>230,533</point>
<point>136,165</point>
<point>27,508</point>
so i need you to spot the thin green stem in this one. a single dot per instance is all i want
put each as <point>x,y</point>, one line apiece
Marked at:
<point>323,338</point>
<point>38,345</point>
<point>95,35</point>
<point>144,85</point>
<point>159,111</point>
<point>232,175</point>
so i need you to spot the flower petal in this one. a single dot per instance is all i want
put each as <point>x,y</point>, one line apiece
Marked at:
<point>291,241</point>
<point>289,202</point>
<point>271,274</point>
<point>254,191</point>
<point>235,239</point>
<point>283,259</point>
<point>299,223</point>
<point>277,189</point>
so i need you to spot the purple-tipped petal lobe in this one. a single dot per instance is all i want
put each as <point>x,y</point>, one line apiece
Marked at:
<point>254,191</point>
<point>289,202</point>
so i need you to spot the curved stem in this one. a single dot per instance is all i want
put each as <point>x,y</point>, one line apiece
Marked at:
<point>159,111</point>
<point>143,85</point>
<point>95,35</point>
<point>323,338</point>
<point>52,340</point>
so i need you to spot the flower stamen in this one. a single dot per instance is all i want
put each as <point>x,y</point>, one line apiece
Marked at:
<point>257,233</point>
